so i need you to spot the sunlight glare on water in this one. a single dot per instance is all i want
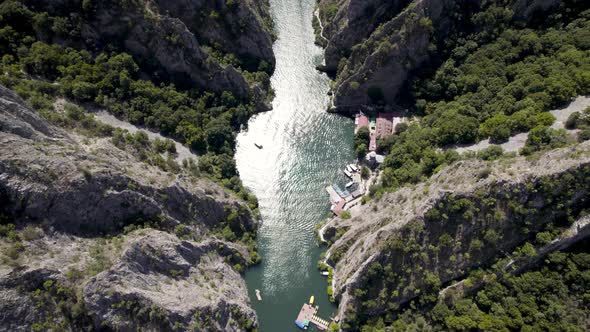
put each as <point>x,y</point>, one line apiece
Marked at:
<point>304,149</point>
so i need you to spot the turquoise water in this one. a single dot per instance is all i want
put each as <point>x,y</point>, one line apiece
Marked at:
<point>305,149</point>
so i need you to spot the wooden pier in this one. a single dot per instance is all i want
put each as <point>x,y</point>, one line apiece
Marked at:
<point>321,324</point>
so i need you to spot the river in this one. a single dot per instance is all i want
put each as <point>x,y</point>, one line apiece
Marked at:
<point>304,149</point>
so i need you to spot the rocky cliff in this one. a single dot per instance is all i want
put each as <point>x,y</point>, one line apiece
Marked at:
<point>376,47</point>
<point>93,238</point>
<point>179,41</point>
<point>404,247</point>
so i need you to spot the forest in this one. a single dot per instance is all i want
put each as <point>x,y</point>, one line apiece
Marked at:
<point>40,72</point>
<point>496,82</point>
<point>551,297</point>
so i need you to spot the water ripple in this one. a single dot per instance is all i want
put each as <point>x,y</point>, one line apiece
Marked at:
<point>304,149</point>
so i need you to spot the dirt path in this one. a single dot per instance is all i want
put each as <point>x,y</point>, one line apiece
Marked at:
<point>182,152</point>
<point>317,15</point>
<point>517,142</point>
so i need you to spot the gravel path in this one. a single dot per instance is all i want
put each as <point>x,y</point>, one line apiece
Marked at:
<point>182,152</point>
<point>517,142</point>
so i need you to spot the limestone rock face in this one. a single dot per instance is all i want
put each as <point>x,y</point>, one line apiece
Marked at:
<point>166,38</point>
<point>239,29</point>
<point>434,225</point>
<point>78,268</point>
<point>48,176</point>
<point>376,45</point>
<point>180,282</point>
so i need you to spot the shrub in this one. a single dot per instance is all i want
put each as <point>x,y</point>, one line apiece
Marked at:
<point>584,134</point>
<point>572,120</point>
<point>361,151</point>
<point>543,137</point>
<point>484,173</point>
<point>30,233</point>
<point>491,153</point>
<point>365,172</point>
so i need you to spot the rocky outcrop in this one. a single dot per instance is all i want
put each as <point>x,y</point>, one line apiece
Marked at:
<point>166,38</point>
<point>64,193</point>
<point>238,28</point>
<point>467,216</point>
<point>181,284</point>
<point>374,57</point>
<point>349,22</point>
<point>49,176</point>
<point>376,46</point>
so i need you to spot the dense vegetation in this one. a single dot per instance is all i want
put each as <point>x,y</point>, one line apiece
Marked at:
<point>497,81</point>
<point>552,297</point>
<point>493,76</point>
<point>581,121</point>
<point>39,72</point>
<point>476,238</point>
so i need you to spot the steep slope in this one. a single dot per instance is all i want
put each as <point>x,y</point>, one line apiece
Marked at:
<point>377,48</point>
<point>93,237</point>
<point>171,66</point>
<point>400,250</point>
<point>167,38</point>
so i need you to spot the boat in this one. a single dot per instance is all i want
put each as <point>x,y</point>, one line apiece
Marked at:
<point>354,167</point>
<point>258,145</point>
<point>302,325</point>
<point>311,299</point>
<point>349,184</point>
<point>325,273</point>
<point>258,295</point>
<point>348,174</point>
<point>348,168</point>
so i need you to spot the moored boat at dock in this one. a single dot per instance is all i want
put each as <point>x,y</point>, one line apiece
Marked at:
<point>347,173</point>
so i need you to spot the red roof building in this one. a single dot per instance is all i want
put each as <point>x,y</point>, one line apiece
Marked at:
<point>385,125</point>
<point>360,120</point>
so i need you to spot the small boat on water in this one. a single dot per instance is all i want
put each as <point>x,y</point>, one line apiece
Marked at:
<point>349,184</point>
<point>311,299</point>
<point>258,295</point>
<point>348,168</point>
<point>325,273</point>
<point>354,167</point>
<point>347,173</point>
<point>258,145</point>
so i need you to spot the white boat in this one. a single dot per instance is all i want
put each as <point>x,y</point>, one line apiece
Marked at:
<point>348,168</point>
<point>325,273</point>
<point>354,167</point>
<point>258,295</point>
<point>348,174</point>
<point>349,184</point>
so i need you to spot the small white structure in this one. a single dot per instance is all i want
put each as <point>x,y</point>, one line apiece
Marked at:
<point>374,159</point>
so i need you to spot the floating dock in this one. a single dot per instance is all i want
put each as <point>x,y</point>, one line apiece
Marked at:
<point>334,197</point>
<point>340,192</point>
<point>308,314</point>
